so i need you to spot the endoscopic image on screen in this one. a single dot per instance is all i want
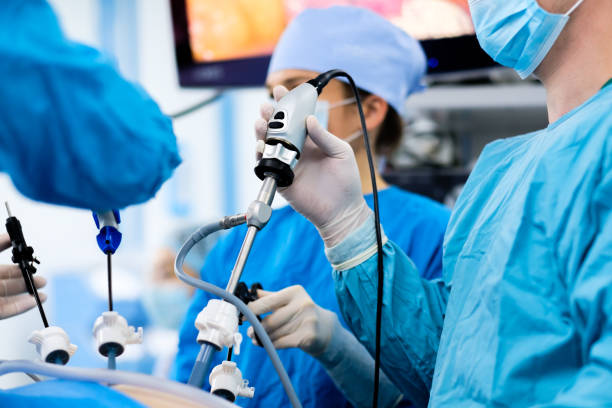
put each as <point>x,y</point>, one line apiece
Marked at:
<point>234,29</point>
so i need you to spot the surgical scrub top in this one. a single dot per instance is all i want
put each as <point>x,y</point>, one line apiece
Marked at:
<point>523,317</point>
<point>289,251</point>
<point>72,131</point>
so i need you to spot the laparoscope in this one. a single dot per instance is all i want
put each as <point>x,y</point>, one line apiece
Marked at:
<point>218,322</point>
<point>111,330</point>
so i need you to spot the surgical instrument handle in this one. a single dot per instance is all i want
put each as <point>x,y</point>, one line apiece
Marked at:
<point>23,255</point>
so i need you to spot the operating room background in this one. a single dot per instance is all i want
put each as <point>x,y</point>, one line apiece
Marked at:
<point>216,176</point>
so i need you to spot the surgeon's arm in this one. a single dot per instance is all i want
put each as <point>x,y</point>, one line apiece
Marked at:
<point>293,319</point>
<point>412,314</point>
<point>590,297</point>
<point>72,130</point>
<point>351,367</point>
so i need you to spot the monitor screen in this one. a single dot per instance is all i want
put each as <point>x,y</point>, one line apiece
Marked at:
<point>229,42</point>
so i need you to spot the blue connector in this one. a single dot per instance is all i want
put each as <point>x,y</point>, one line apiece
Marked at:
<point>109,236</point>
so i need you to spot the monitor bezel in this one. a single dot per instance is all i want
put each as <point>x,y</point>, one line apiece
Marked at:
<point>455,57</point>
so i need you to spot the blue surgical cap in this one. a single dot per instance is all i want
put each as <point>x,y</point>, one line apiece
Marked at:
<point>381,58</point>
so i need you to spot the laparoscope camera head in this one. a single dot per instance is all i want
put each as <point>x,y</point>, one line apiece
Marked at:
<point>286,132</point>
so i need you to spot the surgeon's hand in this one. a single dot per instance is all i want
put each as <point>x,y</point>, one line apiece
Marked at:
<point>14,298</point>
<point>295,321</point>
<point>326,188</point>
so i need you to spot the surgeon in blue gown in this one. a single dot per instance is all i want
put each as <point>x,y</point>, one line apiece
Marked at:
<point>523,314</point>
<point>288,251</point>
<point>72,132</point>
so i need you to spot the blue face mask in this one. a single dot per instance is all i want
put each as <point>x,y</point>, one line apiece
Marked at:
<point>323,107</point>
<point>166,305</point>
<point>517,33</point>
<point>322,114</point>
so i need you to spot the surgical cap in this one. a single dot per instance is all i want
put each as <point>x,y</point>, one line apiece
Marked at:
<point>382,58</point>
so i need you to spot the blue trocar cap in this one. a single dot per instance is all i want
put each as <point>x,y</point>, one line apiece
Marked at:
<point>381,57</point>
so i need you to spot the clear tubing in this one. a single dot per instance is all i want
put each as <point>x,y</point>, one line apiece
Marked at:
<point>202,365</point>
<point>110,377</point>
<point>217,291</point>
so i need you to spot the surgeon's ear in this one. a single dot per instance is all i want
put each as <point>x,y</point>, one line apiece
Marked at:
<point>375,110</point>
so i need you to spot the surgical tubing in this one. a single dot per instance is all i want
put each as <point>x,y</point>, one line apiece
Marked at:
<point>202,364</point>
<point>104,376</point>
<point>229,297</point>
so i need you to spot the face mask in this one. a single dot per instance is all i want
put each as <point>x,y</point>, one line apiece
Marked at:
<point>353,136</point>
<point>323,107</point>
<point>517,33</point>
<point>166,305</point>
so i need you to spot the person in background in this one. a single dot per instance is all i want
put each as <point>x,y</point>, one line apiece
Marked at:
<point>523,315</point>
<point>72,132</point>
<point>288,250</point>
<point>166,299</point>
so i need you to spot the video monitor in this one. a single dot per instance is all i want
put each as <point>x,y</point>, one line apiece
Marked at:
<point>229,42</point>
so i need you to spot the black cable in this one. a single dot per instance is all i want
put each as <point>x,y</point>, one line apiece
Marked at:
<point>110,281</point>
<point>319,83</point>
<point>197,106</point>
<point>229,354</point>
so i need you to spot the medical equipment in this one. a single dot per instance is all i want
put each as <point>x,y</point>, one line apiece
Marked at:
<point>218,321</point>
<point>23,255</point>
<point>188,396</point>
<point>52,343</point>
<point>110,329</point>
<point>443,28</point>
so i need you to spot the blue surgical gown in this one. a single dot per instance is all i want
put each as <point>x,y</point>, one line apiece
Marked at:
<point>72,131</point>
<point>289,251</point>
<point>523,315</point>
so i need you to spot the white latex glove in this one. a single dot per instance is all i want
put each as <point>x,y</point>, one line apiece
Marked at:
<point>295,321</point>
<point>327,187</point>
<point>14,298</point>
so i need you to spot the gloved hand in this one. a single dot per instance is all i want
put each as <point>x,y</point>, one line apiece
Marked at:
<point>14,298</point>
<point>326,188</point>
<point>295,321</point>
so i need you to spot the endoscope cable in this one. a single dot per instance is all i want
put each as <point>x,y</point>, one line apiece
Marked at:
<point>319,82</point>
